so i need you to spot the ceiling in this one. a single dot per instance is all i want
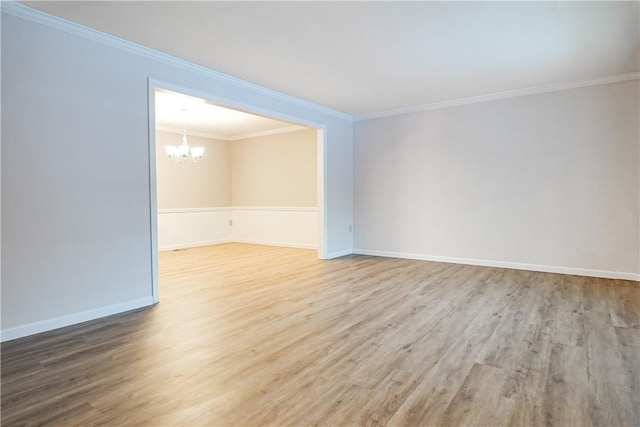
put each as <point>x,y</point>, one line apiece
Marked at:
<point>203,118</point>
<point>363,58</point>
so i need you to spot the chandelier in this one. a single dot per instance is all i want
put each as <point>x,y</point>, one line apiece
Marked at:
<point>183,152</point>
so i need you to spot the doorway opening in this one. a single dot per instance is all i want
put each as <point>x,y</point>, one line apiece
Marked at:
<point>273,195</point>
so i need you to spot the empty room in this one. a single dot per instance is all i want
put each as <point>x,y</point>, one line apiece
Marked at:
<point>430,215</point>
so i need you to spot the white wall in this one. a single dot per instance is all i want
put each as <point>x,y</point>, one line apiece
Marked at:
<point>547,182</point>
<point>76,222</point>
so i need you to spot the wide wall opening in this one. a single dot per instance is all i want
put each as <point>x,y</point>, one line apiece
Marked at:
<point>221,175</point>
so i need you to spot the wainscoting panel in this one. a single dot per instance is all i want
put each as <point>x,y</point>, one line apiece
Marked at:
<point>187,228</point>
<point>295,227</point>
<point>275,226</point>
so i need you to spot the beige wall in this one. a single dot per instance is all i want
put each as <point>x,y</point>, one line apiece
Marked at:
<point>193,185</point>
<point>275,170</point>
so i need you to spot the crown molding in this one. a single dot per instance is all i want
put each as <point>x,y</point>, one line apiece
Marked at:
<point>178,130</point>
<point>18,10</point>
<point>11,7</point>
<point>635,75</point>
<point>257,134</point>
<point>504,95</point>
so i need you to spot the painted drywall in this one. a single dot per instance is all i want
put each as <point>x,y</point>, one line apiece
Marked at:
<point>76,217</point>
<point>204,184</point>
<point>275,170</point>
<point>548,181</point>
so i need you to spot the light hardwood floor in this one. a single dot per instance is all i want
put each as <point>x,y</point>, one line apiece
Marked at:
<point>256,335</point>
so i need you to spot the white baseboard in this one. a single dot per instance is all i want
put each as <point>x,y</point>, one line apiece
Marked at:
<point>194,244</point>
<point>338,254</point>
<point>272,243</point>
<point>503,264</point>
<point>72,319</point>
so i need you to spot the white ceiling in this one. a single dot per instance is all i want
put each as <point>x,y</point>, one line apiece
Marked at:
<point>367,57</point>
<point>202,118</point>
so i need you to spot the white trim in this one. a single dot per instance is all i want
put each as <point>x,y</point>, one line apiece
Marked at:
<point>321,179</point>
<point>153,189</point>
<point>257,134</point>
<point>555,87</point>
<point>273,243</point>
<point>339,254</point>
<point>503,264</point>
<point>73,319</point>
<point>195,244</point>
<point>21,11</point>
<point>194,210</point>
<point>240,208</point>
<point>274,208</point>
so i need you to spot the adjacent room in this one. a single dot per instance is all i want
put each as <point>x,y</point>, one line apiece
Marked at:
<point>320,213</point>
<point>257,181</point>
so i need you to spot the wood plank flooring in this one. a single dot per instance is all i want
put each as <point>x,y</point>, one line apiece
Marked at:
<point>250,335</point>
